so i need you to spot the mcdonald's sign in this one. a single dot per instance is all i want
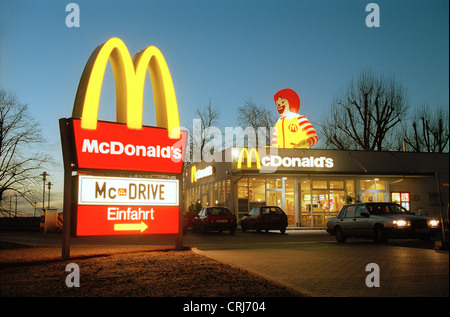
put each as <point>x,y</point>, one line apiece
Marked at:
<point>201,173</point>
<point>248,154</point>
<point>123,205</point>
<point>270,162</point>
<point>193,174</point>
<point>127,144</point>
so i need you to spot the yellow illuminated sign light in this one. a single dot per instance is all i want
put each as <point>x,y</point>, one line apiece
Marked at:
<point>193,174</point>
<point>248,154</point>
<point>129,76</point>
<point>198,174</point>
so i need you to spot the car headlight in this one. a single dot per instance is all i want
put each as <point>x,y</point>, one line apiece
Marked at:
<point>401,223</point>
<point>433,223</point>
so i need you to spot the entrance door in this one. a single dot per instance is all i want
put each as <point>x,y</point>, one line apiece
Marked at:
<point>275,198</point>
<point>305,207</point>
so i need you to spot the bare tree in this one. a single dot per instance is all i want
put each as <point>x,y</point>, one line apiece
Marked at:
<point>19,169</point>
<point>208,118</point>
<point>259,119</point>
<point>429,130</point>
<point>362,117</point>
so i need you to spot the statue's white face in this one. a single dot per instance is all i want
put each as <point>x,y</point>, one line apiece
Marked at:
<point>282,106</point>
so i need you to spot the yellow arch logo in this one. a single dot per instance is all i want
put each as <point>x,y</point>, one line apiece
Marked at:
<point>245,152</point>
<point>129,76</point>
<point>193,174</point>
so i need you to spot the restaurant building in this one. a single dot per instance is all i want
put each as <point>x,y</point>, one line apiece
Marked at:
<point>311,185</point>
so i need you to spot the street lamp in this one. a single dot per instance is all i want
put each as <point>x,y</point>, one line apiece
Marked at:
<point>49,187</point>
<point>44,175</point>
<point>10,204</point>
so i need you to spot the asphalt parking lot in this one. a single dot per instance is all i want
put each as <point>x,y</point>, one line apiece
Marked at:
<point>314,263</point>
<point>310,261</point>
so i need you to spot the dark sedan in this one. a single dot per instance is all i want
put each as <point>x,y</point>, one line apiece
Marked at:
<point>214,219</point>
<point>265,218</point>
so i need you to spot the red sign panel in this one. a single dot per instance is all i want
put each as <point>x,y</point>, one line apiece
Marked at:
<point>112,146</point>
<point>126,220</point>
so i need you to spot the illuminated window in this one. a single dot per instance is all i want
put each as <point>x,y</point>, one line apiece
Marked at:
<point>336,184</point>
<point>274,183</point>
<point>368,185</point>
<point>257,190</point>
<point>243,188</point>
<point>402,198</point>
<point>320,184</point>
<point>381,185</point>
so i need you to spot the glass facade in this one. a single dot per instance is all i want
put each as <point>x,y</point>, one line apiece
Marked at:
<point>307,201</point>
<point>325,182</point>
<point>373,190</point>
<point>321,199</point>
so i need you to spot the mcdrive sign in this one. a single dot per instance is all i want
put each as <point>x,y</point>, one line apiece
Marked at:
<point>108,205</point>
<point>117,205</point>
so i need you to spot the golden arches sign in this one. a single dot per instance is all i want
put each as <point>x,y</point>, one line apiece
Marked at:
<point>248,154</point>
<point>193,174</point>
<point>129,76</point>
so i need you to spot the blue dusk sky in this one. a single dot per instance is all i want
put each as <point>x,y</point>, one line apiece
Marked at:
<point>226,52</point>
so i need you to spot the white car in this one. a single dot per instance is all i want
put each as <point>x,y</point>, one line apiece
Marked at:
<point>380,221</point>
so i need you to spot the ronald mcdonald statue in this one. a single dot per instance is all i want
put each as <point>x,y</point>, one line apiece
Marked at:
<point>291,130</point>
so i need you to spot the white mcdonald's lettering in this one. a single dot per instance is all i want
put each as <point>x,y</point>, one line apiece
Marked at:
<point>318,162</point>
<point>198,174</point>
<point>208,171</point>
<point>118,148</point>
<point>286,161</point>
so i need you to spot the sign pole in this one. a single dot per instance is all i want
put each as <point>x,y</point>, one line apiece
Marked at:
<point>63,127</point>
<point>179,240</point>
<point>66,215</point>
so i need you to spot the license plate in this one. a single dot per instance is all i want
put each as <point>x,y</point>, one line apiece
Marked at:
<point>422,230</point>
<point>221,220</point>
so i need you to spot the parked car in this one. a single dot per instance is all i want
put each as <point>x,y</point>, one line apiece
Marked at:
<point>214,219</point>
<point>265,218</point>
<point>188,217</point>
<point>380,221</point>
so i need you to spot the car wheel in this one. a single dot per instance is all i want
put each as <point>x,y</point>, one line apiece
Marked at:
<point>243,228</point>
<point>340,236</point>
<point>204,228</point>
<point>232,231</point>
<point>380,235</point>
